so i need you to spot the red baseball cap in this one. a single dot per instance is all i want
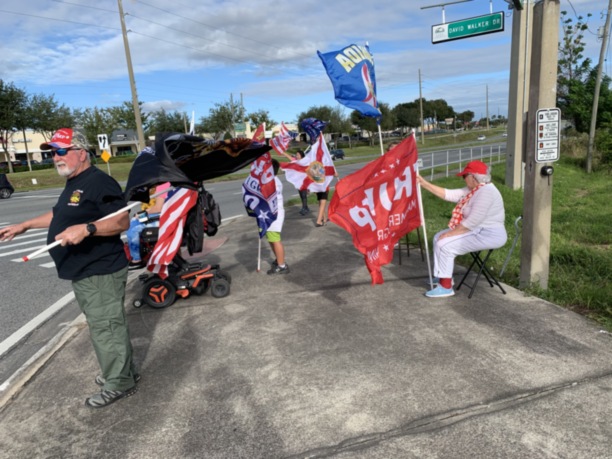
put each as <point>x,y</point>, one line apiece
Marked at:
<point>474,167</point>
<point>64,138</point>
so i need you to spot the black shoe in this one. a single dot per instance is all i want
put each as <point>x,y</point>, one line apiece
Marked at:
<point>106,397</point>
<point>136,265</point>
<point>100,380</point>
<point>278,270</point>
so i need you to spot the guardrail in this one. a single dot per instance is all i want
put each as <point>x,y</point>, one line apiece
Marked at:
<point>453,160</point>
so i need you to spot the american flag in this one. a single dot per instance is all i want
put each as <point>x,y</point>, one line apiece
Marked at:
<point>280,143</point>
<point>313,128</point>
<point>259,193</point>
<point>171,227</point>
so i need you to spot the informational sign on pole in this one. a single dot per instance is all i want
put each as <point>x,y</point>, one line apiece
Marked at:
<point>104,148</point>
<point>547,135</point>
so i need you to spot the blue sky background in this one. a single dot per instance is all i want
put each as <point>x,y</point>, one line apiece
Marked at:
<point>190,54</point>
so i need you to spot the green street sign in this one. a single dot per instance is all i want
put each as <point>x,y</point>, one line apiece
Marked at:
<point>480,25</point>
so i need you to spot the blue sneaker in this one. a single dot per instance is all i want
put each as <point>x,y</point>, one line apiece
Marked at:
<point>440,292</point>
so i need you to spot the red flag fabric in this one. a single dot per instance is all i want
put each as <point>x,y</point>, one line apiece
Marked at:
<point>259,135</point>
<point>281,141</point>
<point>171,226</point>
<point>378,205</point>
<point>314,171</point>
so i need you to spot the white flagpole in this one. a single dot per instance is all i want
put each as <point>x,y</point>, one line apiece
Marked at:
<point>259,255</point>
<point>382,150</point>
<point>421,213</point>
<point>114,214</point>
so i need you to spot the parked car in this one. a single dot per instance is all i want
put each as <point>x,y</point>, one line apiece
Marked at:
<point>6,189</point>
<point>47,161</point>
<point>337,154</point>
<point>505,134</point>
<point>4,164</point>
<point>481,137</point>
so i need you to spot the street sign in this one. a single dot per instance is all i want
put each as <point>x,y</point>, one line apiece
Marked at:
<point>103,142</point>
<point>547,135</point>
<point>465,28</point>
<point>105,156</point>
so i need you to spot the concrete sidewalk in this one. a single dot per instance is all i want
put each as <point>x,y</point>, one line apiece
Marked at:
<point>319,363</point>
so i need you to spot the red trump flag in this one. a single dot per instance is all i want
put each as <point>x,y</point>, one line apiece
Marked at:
<point>378,205</point>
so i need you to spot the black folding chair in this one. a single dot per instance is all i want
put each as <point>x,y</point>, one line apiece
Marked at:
<point>405,240</point>
<point>482,269</point>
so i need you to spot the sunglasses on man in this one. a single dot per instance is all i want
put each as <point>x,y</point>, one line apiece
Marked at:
<point>63,151</point>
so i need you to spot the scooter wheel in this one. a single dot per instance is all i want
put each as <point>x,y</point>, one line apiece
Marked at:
<point>137,303</point>
<point>224,275</point>
<point>220,288</point>
<point>202,288</point>
<point>158,293</point>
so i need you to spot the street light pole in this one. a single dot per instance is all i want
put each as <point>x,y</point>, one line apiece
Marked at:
<point>128,57</point>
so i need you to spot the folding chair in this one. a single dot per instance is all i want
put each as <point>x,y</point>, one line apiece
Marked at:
<point>482,265</point>
<point>406,241</point>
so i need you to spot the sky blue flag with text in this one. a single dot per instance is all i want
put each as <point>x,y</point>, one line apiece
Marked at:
<point>351,71</point>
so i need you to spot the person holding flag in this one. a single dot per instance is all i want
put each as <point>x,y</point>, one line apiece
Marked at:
<point>273,235</point>
<point>314,172</point>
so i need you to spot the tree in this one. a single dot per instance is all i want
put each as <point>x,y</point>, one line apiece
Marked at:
<point>407,115</point>
<point>259,117</point>
<point>123,116</point>
<point>572,72</point>
<point>222,118</point>
<point>94,121</point>
<point>370,125</point>
<point>162,121</point>
<point>47,116</point>
<point>13,106</point>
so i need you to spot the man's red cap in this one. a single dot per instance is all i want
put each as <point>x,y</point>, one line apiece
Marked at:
<point>64,138</point>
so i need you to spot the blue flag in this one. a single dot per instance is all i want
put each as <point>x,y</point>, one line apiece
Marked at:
<point>259,193</point>
<point>351,71</point>
<point>313,128</point>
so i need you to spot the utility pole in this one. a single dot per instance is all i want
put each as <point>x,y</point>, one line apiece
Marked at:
<point>421,103</point>
<point>537,198</point>
<point>487,107</point>
<point>517,94</point>
<point>602,55</point>
<point>128,57</point>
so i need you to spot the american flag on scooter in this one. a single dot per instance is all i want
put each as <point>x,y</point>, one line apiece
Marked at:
<point>171,227</point>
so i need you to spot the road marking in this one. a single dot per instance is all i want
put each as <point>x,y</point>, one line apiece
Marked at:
<point>33,324</point>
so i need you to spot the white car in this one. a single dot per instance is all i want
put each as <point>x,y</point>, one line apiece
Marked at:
<point>505,134</point>
<point>481,137</point>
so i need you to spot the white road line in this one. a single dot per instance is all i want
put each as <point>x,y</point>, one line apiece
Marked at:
<point>46,265</point>
<point>14,252</point>
<point>10,246</point>
<point>34,323</point>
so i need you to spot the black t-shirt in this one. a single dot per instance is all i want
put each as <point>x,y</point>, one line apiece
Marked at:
<point>86,198</point>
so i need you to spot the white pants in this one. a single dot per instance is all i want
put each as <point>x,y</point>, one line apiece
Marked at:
<point>447,249</point>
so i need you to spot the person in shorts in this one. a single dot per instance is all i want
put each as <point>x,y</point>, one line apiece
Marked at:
<point>273,235</point>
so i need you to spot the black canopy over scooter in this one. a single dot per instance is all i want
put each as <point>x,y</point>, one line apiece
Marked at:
<point>184,160</point>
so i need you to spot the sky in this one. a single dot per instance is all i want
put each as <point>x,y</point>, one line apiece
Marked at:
<point>189,55</point>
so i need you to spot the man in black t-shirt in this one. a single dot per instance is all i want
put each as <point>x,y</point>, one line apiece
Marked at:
<point>91,255</point>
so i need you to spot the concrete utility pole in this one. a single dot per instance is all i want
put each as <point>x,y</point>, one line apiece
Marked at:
<point>421,103</point>
<point>128,57</point>
<point>517,98</point>
<point>602,55</point>
<point>537,199</point>
<point>487,97</point>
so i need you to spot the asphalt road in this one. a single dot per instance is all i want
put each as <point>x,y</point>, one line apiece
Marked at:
<point>35,304</point>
